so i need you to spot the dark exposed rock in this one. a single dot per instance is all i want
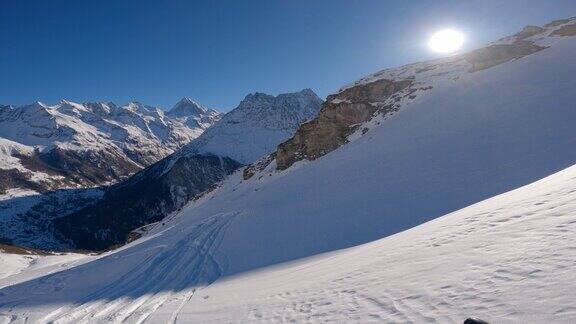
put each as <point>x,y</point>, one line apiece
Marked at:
<point>14,178</point>
<point>558,22</point>
<point>566,30</point>
<point>257,166</point>
<point>89,167</point>
<point>496,54</point>
<point>11,249</point>
<point>528,31</point>
<point>66,168</point>
<point>334,123</point>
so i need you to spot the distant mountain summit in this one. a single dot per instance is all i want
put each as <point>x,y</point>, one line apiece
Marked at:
<point>187,107</point>
<point>194,114</point>
<point>257,125</point>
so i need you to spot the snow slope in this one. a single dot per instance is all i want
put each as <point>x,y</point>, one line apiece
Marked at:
<point>26,265</point>
<point>507,259</point>
<point>306,243</point>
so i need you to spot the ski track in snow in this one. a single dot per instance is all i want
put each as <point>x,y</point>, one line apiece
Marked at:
<point>185,266</point>
<point>507,259</point>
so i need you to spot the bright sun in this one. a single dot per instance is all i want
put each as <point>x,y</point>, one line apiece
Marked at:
<point>446,41</point>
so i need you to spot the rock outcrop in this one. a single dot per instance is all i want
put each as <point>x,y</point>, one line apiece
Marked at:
<point>336,119</point>
<point>566,30</point>
<point>496,54</point>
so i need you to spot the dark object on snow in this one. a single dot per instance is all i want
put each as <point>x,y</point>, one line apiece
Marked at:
<point>473,320</point>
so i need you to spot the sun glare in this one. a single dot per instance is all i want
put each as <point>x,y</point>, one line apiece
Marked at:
<point>446,41</point>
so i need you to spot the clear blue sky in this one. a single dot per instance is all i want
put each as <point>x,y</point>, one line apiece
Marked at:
<point>218,51</point>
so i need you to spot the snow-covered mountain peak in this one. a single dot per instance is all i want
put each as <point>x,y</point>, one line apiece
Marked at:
<point>259,123</point>
<point>39,104</point>
<point>193,114</point>
<point>255,96</point>
<point>187,107</point>
<point>101,108</point>
<point>136,106</point>
<point>36,109</point>
<point>260,101</point>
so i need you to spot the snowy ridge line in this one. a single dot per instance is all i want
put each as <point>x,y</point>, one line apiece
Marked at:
<point>419,70</point>
<point>378,97</point>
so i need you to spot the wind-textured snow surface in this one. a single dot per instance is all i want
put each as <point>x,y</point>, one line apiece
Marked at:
<point>508,259</point>
<point>310,243</point>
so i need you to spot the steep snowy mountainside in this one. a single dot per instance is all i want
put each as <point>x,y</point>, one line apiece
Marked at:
<point>257,125</point>
<point>8,151</point>
<point>89,144</point>
<point>464,140</point>
<point>384,93</point>
<point>508,259</point>
<point>253,129</point>
<point>194,114</point>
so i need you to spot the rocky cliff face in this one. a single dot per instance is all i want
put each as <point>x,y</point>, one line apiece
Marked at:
<point>335,120</point>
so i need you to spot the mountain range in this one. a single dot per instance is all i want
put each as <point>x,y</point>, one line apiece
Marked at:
<point>72,145</point>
